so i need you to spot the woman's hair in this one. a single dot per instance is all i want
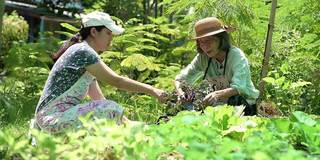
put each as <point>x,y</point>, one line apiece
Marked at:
<point>77,38</point>
<point>224,45</point>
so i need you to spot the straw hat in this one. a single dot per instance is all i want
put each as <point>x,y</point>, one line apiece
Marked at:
<point>208,27</point>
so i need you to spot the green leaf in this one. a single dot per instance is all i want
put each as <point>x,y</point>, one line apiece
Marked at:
<point>70,27</point>
<point>118,20</point>
<point>159,20</point>
<point>300,84</point>
<point>283,125</point>
<point>308,38</point>
<point>140,62</point>
<point>133,20</point>
<point>152,48</point>
<point>157,36</point>
<point>20,144</point>
<point>65,33</point>
<point>111,54</point>
<point>258,155</point>
<point>269,80</point>
<point>302,117</point>
<point>312,46</point>
<point>280,81</point>
<point>133,49</point>
<point>144,40</point>
<point>169,31</point>
<point>144,75</point>
<point>189,119</point>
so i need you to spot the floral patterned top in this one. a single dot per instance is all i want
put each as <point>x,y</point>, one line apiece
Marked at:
<point>68,69</point>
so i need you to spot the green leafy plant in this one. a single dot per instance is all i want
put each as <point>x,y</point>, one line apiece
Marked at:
<point>282,89</point>
<point>15,28</point>
<point>28,66</point>
<point>218,133</point>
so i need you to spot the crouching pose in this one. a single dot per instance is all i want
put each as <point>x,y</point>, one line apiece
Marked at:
<point>76,74</point>
<point>223,65</point>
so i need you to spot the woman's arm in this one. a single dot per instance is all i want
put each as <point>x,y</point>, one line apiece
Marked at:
<point>223,95</point>
<point>191,73</point>
<point>241,78</point>
<point>95,92</point>
<point>177,85</point>
<point>103,73</point>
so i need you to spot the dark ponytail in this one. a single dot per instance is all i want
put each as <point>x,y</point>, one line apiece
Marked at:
<point>77,38</point>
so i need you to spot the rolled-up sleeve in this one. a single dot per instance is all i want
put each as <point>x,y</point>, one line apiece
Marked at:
<point>241,79</point>
<point>193,71</point>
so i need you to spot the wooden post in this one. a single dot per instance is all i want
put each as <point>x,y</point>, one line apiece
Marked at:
<point>2,4</point>
<point>265,63</point>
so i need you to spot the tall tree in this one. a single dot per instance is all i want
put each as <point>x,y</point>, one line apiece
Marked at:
<point>161,7</point>
<point>1,15</point>
<point>146,9</point>
<point>155,8</point>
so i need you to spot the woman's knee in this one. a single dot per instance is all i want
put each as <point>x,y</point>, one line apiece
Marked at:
<point>109,109</point>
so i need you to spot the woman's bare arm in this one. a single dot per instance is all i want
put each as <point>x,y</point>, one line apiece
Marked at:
<point>95,92</point>
<point>103,73</point>
<point>179,90</point>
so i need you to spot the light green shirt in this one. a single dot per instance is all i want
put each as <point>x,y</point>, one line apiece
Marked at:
<point>237,72</point>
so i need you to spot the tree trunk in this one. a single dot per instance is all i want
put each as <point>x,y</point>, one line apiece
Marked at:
<point>144,11</point>
<point>2,3</point>
<point>161,8</point>
<point>155,8</point>
<point>146,7</point>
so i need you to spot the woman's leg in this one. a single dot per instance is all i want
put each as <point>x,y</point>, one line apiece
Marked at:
<point>61,121</point>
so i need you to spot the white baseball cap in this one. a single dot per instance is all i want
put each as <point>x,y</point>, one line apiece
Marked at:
<point>97,18</point>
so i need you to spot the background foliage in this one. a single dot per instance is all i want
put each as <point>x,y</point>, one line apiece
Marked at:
<point>15,29</point>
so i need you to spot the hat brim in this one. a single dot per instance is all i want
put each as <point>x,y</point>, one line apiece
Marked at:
<point>209,34</point>
<point>116,30</point>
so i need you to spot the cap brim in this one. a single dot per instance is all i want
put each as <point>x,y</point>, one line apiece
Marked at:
<point>209,34</point>
<point>116,30</point>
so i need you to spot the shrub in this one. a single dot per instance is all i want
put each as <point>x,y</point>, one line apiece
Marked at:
<point>14,28</point>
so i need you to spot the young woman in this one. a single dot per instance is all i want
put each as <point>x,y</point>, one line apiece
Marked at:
<point>223,65</point>
<point>76,74</point>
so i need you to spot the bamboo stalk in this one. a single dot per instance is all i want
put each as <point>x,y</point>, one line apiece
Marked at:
<point>265,63</point>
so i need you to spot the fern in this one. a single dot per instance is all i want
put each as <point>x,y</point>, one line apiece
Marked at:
<point>69,27</point>
<point>140,62</point>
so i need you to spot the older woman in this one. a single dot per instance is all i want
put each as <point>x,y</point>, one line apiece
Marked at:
<point>76,74</point>
<point>222,64</point>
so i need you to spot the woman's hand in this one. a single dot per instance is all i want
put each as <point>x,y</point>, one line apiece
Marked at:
<point>183,97</point>
<point>214,97</point>
<point>161,95</point>
<point>221,95</point>
<point>186,97</point>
